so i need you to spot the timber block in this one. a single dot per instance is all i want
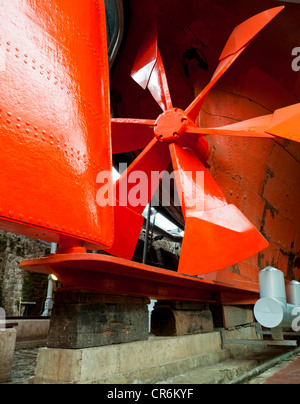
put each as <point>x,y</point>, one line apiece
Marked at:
<point>85,320</point>
<point>181,318</point>
<point>235,316</point>
<point>7,350</point>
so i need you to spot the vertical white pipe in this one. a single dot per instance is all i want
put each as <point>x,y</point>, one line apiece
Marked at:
<point>271,284</point>
<point>49,299</point>
<point>293,293</point>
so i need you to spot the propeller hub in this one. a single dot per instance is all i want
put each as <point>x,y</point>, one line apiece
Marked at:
<point>171,125</point>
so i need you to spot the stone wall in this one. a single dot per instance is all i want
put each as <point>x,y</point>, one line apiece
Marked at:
<point>15,283</point>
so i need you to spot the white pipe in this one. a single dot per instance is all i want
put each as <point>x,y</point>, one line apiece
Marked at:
<point>273,309</point>
<point>2,319</point>
<point>293,293</point>
<point>150,309</point>
<point>53,248</point>
<point>271,284</point>
<point>49,300</point>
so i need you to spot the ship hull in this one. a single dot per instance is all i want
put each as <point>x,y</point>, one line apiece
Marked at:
<point>259,176</point>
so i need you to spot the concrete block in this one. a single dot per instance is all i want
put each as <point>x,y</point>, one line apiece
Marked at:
<point>86,320</point>
<point>31,333</point>
<point>137,362</point>
<point>7,350</point>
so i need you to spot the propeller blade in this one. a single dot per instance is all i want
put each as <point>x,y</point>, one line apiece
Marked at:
<point>146,59</point>
<point>194,109</point>
<point>217,235</point>
<point>154,158</point>
<point>283,123</point>
<point>245,32</point>
<point>286,122</point>
<point>128,225</point>
<point>131,134</point>
<point>158,85</point>
<point>133,191</point>
<point>217,239</point>
<point>196,188</point>
<point>251,128</point>
<point>148,70</point>
<point>236,44</point>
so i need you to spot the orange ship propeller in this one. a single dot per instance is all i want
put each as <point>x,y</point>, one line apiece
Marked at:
<point>217,235</point>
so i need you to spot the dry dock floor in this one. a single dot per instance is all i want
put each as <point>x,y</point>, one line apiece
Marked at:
<point>231,371</point>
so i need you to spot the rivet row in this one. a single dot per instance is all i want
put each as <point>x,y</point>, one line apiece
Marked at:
<point>70,152</point>
<point>50,76</point>
<point>46,223</point>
